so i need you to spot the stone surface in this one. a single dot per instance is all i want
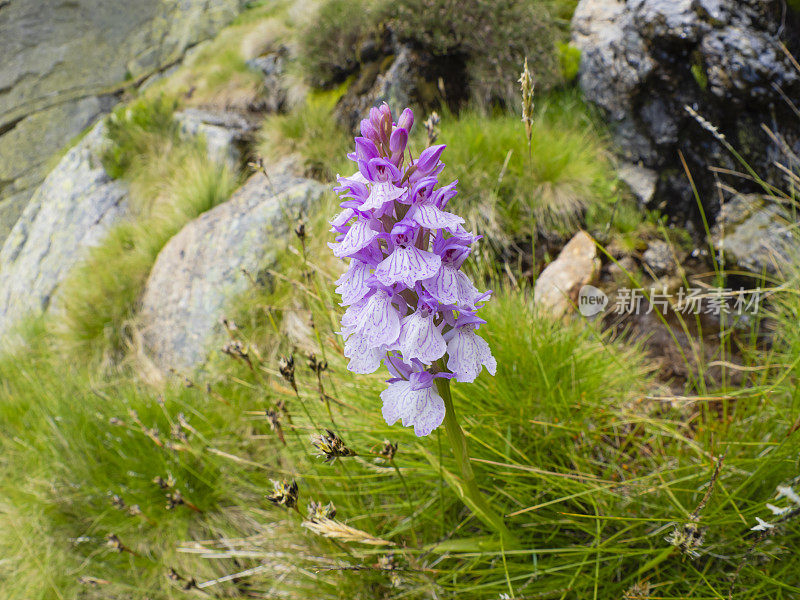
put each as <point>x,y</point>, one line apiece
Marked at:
<point>274,95</point>
<point>200,270</point>
<point>557,287</point>
<point>62,63</point>
<point>71,211</point>
<point>641,180</point>
<point>644,61</point>
<point>659,258</point>
<point>226,133</point>
<point>757,236</point>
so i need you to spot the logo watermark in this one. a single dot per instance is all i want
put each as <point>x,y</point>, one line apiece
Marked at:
<point>691,301</point>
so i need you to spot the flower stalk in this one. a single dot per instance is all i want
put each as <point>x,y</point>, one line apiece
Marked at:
<point>469,492</point>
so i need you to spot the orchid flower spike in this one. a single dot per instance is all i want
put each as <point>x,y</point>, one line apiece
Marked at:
<point>409,304</point>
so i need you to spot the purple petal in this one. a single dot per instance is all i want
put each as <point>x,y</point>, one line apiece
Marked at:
<point>406,119</point>
<point>443,286</point>
<point>430,217</point>
<point>423,409</point>
<point>381,194</point>
<point>364,359</point>
<point>407,265</point>
<point>352,285</point>
<point>468,353</point>
<point>379,321</point>
<point>420,338</point>
<point>359,236</point>
<point>429,158</point>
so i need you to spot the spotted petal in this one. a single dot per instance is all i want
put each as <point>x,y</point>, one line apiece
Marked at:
<point>422,409</point>
<point>452,287</point>
<point>352,285</point>
<point>468,353</point>
<point>420,338</point>
<point>407,265</point>
<point>430,217</point>
<point>359,236</point>
<point>380,194</point>
<point>379,321</point>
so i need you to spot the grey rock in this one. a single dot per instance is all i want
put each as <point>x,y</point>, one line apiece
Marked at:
<point>644,61</point>
<point>226,133</point>
<point>274,93</point>
<point>200,270</point>
<point>391,86</point>
<point>70,212</point>
<point>641,181</point>
<point>757,235</point>
<point>659,257</point>
<point>63,61</point>
<point>557,287</point>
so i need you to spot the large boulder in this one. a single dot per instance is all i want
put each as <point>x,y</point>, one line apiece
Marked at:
<point>201,268</point>
<point>71,211</point>
<point>63,64</point>
<point>558,285</point>
<point>644,61</point>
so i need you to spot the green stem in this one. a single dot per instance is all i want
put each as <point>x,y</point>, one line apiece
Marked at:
<point>468,491</point>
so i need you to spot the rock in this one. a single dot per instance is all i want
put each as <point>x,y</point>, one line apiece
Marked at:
<point>644,61</point>
<point>374,87</point>
<point>200,270</point>
<point>71,211</point>
<point>757,236</point>
<point>274,94</point>
<point>659,257</point>
<point>63,64</point>
<point>226,133</point>
<point>641,181</point>
<point>557,287</point>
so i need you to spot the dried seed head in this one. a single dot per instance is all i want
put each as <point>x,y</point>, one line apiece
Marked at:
<point>638,591</point>
<point>176,431</point>
<point>526,85</point>
<point>235,348</point>
<point>113,542</point>
<point>318,512</point>
<point>286,368</point>
<point>431,127</point>
<point>331,446</point>
<point>115,421</point>
<point>229,325</point>
<point>164,484</point>
<point>174,499</point>
<point>688,538</point>
<point>300,230</point>
<point>134,510</point>
<point>388,562</point>
<point>173,575</point>
<point>284,494</point>
<point>117,502</point>
<point>317,365</point>
<point>388,451</point>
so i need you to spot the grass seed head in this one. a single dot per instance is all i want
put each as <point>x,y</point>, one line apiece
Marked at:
<point>331,446</point>
<point>284,493</point>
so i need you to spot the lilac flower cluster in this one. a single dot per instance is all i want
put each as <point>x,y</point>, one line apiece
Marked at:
<point>409,303</point>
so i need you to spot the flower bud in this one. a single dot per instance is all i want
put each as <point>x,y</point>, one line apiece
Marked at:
<point>406,120</point>
<point>398,140</point>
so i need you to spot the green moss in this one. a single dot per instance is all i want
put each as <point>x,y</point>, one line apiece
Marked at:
<point>699,74</point>
<point>569,57</point>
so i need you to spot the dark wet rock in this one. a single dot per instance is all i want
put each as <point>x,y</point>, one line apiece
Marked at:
<point>757,235</point>
<point>644,61</point>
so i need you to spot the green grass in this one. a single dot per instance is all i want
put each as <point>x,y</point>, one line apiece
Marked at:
<point>310,133</point>
<point>172,181</point>
<point>506,192</point>
<point>592,475</point>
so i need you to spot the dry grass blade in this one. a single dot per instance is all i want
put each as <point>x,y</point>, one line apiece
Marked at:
<point>334,529</point>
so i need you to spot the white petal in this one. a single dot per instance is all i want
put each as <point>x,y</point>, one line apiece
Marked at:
<point>351,285</point>
<point>430,217</point>
<point>380,194</point>
<point>421,339</point>
<point>467,354</point>
<point>407,265</point>
<point>443,285</point>
<point>379,320</point>
<point>359,236</point>
<point>422,409</point>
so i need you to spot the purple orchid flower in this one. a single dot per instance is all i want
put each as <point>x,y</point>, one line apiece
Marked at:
<point>409,304</point>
